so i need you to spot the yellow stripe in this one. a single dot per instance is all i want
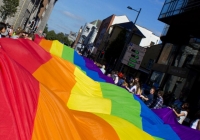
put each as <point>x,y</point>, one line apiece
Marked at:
<point>124,129</point>
<point>56,48</point>
<point>86,95</point>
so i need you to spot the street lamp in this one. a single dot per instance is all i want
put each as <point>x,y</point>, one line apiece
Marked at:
<point>135,11</point>
<point>128,40</point>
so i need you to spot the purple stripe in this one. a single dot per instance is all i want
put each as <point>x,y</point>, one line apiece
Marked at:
<point>184,132</point>
<point>90,65</point>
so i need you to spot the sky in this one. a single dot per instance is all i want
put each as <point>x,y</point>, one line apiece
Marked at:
<point>71,15</point>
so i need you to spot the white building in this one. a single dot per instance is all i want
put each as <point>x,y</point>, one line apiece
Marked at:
<point>88,35</point>
<point>151,38</point>
<point>72,36</point>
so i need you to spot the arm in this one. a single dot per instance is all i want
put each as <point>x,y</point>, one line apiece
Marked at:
<point>178,115</point>
<point>144,98</point>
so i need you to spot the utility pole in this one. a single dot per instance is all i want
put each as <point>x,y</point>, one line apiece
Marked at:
<point>128,40</point>
<point>77,38</point>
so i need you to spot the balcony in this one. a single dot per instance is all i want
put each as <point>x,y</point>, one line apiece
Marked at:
<point>177,9</point>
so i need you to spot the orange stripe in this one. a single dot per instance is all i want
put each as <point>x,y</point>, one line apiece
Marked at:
<point>54,121</point>
<point>58,75</point>
<point>94,127</point>
<point>46,44</point>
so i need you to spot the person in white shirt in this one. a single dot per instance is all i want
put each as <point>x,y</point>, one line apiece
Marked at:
<point>103,69</point>
<point>134,87</point>
<point>115,77</point>
<point>183,114</point>
<point>196,123</point>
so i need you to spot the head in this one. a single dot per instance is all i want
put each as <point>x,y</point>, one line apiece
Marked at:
<point>31,36</point>
<point>152,90</point>
<point>160,93</point>
<point>185,106</point>
<point>19,32</point>
<point>137,79</point>
<point>2,27</point>
<point>103,66</point>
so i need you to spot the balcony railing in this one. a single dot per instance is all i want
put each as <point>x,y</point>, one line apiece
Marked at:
<point>174,7</point>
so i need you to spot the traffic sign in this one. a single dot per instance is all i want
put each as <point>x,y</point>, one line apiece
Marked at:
<point>133,56</point>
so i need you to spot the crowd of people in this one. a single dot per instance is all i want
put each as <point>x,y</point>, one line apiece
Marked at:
<point>7,31</point>
<point>153,98</point>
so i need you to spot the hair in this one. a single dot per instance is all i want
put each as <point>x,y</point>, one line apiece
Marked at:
<point>153,89</point>
<point>2,25</point>
<point>160,92</point>
<point>137,78</point>
<point>19,31</point>
<point>32,36</point>
<point>186,106</point>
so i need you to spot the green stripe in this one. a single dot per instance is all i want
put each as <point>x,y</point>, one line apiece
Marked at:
<point>68,54</point>
<point>123,103</point>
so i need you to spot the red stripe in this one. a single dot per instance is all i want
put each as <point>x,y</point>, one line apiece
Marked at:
<point>37,38</point>
<point>19,93</point>
<point>26,52</point>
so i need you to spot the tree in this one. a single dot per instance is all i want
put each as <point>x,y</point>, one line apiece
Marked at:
<point>115,48</point>
<point>51,35</point>
<point>9,8</point>
<point>60,37</point>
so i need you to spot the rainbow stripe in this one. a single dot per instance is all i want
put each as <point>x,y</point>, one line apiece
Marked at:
<point>48,92</point>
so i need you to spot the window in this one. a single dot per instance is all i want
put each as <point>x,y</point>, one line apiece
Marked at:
<point>87,29</point>
<point>165,8</point>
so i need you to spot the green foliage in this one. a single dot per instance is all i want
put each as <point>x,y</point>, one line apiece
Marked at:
<point>9,8</point>
<point>115,48</point>
<point>51,35</point>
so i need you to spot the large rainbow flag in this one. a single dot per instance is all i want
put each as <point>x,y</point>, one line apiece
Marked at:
<point>49,92</point>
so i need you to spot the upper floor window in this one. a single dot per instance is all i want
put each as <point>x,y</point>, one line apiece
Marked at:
<point>87,29</point>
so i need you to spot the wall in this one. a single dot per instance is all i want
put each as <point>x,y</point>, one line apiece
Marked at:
<point>120,19</point>
<point>150,37</point>
<point>17,20</point>
<point>151,53</point>
<point>45,18</point>
<point>87,36</point>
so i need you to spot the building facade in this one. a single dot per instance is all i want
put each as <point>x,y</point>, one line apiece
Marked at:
<point>178,68</point>
<point>87,36</point>
<point>31,15</point>
<point>105,25</point>
<point>71,36</point>
<point>150,38</point>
